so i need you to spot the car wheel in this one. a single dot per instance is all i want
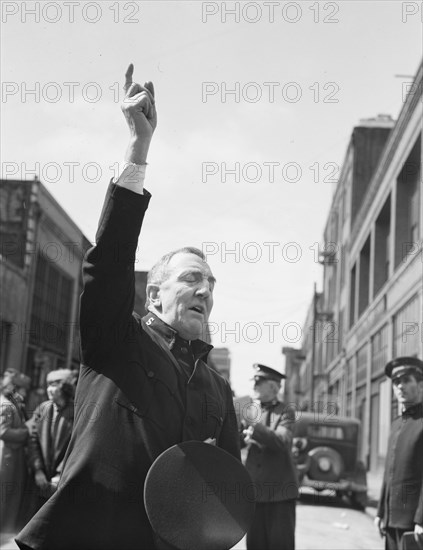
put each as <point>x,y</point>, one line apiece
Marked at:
<point>326,464</point>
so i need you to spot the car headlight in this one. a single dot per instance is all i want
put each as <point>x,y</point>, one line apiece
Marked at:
<point>324,464</point>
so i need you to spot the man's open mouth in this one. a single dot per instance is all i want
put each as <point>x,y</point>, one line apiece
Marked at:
<point>197,309</point>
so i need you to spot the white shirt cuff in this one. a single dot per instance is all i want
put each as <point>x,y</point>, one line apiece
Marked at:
<point>132,177</point>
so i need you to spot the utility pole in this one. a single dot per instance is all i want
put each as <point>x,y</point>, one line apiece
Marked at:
<point>313,348</point>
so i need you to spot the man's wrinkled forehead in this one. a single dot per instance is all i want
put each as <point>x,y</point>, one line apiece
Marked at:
<point>184,261</point>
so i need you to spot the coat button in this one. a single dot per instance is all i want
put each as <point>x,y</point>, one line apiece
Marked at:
<point>150,374</point>
<point>184,350</point>
<point>188,421</point>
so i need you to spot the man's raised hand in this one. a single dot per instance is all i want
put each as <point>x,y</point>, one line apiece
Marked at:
<point>139,109</point>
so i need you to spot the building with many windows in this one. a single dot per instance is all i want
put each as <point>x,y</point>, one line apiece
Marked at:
<point>371,305</point>
<point>40,277</point>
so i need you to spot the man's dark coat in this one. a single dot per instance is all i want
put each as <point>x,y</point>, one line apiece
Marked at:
<point>48,443</point>
<point>129,406</point>
<point>401,501</point>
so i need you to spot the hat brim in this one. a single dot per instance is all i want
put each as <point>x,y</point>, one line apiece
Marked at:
<point>266,377</point>
<point>199,496</point>
<point>407,362</point>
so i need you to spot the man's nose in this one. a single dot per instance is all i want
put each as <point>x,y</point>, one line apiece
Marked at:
<point>204,288</point>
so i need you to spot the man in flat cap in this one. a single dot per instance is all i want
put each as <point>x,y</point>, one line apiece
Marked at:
<point>401,501</point>
<point>270,465</point>
<point>50,434</point>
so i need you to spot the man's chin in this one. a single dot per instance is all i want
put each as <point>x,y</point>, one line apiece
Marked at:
<point>194,331</point>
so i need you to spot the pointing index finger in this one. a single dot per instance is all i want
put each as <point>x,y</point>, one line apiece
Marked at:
<point>128,77</point>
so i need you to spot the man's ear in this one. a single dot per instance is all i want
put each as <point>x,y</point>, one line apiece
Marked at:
<point>153,295</point>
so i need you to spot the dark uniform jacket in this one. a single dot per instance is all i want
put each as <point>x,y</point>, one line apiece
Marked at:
<point>401,501</point>
<point>133,401</point>
<point>270,462</point>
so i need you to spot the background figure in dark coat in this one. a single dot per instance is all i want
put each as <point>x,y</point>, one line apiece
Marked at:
<point>144,385</point>
<point>401,501</point>
<point>13,437</point>
<point>51,428</point>
<point>270,465</point>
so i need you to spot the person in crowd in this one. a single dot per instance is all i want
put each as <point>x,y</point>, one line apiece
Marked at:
<point>401,501</point>
<point>50,434</point>
<point>144,384</point>
<point>270,464</point>
<point>13,437</point>
<point>23,385</point>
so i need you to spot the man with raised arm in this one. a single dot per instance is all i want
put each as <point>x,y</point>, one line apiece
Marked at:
<point>144,385</point>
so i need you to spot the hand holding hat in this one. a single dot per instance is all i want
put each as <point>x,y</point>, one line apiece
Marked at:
<point>198,496</point>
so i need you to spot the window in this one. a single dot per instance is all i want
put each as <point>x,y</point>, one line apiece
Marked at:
<point>382,240</point>
<point>6,332</point>
<point>380,350</point>
<point>14,213</point>
<point>352,295</point>
<point>51,307</point>
<point>363,286</point>
<point>407,329</point>
<point>361,366</point>
<point>384,416</point>
<point>408,205</point>
<point>325,431</point>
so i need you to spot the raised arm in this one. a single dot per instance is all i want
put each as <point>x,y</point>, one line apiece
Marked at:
<point>108,270</point>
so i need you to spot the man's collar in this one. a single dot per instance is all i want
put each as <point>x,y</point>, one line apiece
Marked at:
<point>170,336</point>
<point>411,410</point>
<point>166,332</point>
<point>269,404</point>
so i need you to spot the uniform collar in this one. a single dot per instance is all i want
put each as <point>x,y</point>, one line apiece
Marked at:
<point>268,405</point>
<point>172,339</point>
<point>413,409</point>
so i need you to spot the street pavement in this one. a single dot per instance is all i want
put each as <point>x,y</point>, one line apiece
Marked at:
<point>328,523</point>
<point>331,524</point>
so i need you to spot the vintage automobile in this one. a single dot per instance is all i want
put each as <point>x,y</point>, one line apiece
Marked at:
<point>325,449</point>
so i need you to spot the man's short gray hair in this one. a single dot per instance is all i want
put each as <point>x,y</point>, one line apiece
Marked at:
<point>158,273</point>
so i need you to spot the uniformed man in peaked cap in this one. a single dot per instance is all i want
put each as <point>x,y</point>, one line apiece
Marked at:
<point>401,501</point>
<point>270,465</point>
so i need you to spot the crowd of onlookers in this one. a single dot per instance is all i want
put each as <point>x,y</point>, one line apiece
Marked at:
<point>32,446</point>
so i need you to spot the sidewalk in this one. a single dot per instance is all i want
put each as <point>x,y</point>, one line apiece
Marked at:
<point>374,484</point>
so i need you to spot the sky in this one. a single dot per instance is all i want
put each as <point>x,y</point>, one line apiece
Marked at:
<point>256,104</point>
